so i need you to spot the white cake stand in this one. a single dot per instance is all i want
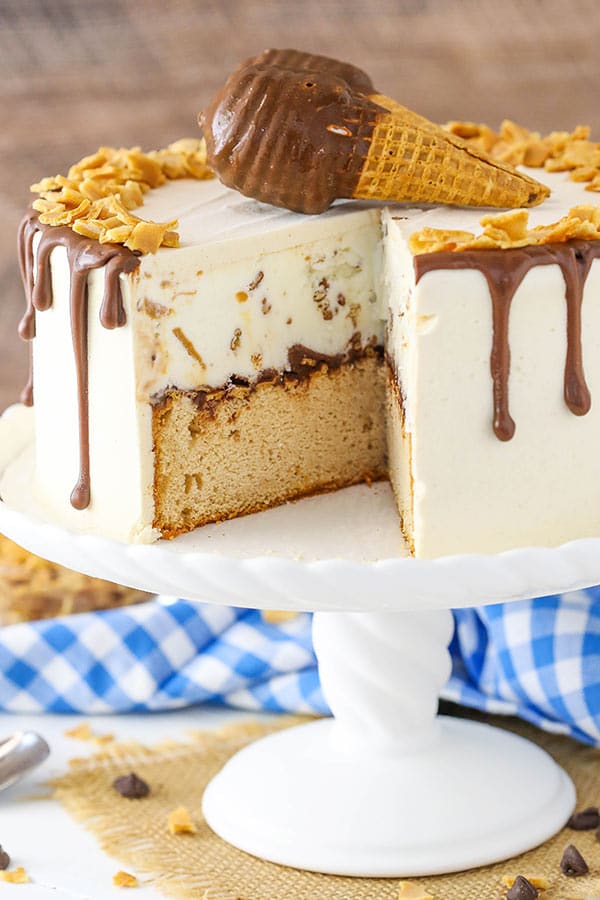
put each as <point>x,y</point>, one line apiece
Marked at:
<point>386,787</point>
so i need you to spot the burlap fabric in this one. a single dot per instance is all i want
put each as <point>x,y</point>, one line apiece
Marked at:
<point>203,867</point>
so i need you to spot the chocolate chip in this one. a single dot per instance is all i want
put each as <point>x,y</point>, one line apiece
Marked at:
<point>522,890</point>
<point>131,786</point>
<point>4,858</point>
<point>585,820</point>
<point>573,863</point>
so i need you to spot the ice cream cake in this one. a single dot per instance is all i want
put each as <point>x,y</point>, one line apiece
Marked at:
<point>242,353</point>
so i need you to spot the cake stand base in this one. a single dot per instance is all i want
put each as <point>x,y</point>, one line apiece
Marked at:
<point>387,788</point>
<point>475,796</point>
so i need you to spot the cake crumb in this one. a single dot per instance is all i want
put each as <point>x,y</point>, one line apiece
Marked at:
<point>236,339</point>
<point>410,890</point>
<point>179,822</point>
<point>125,880</point>
<point>15,876</point>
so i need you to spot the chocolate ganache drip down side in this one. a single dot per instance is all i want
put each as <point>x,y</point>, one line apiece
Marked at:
<point>83,255</point>
<point>504,270</point>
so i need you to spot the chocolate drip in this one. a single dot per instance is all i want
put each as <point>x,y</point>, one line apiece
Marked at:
<point>80,495</point>
<point>504,271</point>
<point>83,255</point>
<point>27,230</point>
<point>575,271</point>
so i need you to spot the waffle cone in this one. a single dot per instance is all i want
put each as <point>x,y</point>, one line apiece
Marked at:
<point>411,159</point>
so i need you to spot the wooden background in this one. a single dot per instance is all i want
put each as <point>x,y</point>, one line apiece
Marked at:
<point>75,74</point>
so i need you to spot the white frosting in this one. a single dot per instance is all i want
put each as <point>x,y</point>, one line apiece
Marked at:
<point>210,213</point>
<point>472,491</point>
<point>121,462</point>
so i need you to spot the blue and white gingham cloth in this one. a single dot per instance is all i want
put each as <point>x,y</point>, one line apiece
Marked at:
<point>538,659</point>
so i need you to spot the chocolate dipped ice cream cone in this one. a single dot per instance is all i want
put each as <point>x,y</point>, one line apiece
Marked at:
<point>301,131</point>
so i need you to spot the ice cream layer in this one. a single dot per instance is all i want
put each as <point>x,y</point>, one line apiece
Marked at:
<point>249,282</point>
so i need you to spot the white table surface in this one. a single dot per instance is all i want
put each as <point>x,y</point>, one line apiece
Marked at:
<point>61,857</point>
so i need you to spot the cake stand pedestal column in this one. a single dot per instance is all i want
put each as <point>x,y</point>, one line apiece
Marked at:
<point>386,787</point>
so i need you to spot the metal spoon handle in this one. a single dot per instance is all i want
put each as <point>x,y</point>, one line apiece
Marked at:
<point>19,754</point>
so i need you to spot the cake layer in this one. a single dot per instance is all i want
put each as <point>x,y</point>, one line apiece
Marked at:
<point>245,448</point>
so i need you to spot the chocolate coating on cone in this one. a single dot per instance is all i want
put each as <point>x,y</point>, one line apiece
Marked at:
<point>300,131</point>
<point>291,129</point>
